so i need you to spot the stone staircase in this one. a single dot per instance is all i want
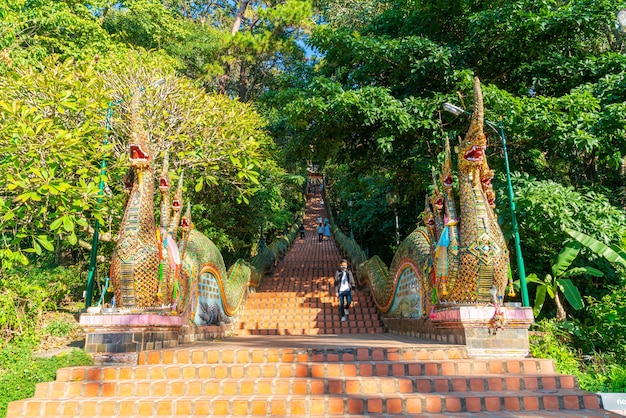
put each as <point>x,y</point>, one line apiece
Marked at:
<point>328,381</point>
<point>299,299</point>
<point>278,366</point>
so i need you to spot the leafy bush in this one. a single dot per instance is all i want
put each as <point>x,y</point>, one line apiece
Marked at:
<point>28,292</point>
<point>61,283</point>
<point>596,372</point>
<point>546,208</point>
<point>60,327</point>
<point>603,374</point>
<point>550,341</point>
<point>20,371</point>
<point>607,323</point>
<point>22,305</point>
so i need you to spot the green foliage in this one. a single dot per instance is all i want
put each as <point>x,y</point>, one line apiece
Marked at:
<point>62,284</point>
<point>607,322</point>
<point>613,254</point>
<point>27,293</point>
<point>60,327</point>
<point>144,23</point>
<point>546,208</point>
<point>596,372</point>
<point>20,371</point>
<point>52,140</point>
<point>22,305</point>
<point>551,341</point>
<point>32,30</point>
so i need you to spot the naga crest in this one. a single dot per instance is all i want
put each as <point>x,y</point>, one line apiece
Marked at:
<point>437,199</point>
<point>186,224</point>
<point>472,147</point>
<point>164,179</point>
<point>447,177</point>
<point>139,150</point>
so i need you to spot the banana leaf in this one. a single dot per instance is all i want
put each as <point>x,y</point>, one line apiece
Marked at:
<point>571,293</point>
<point>565,258</point>
<point>613,253</point>
<point>540,297</point>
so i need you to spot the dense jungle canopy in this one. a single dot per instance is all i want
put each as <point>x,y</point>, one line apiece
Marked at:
<point>258,92</point>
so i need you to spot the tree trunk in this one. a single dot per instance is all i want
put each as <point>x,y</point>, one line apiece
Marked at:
<point>243,83</point>
<point>239,16</point>
<point>560,311</point>
<point>236,27</point>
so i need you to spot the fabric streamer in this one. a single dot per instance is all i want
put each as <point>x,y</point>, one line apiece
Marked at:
<point>173,256</point>
<point>441,254</point>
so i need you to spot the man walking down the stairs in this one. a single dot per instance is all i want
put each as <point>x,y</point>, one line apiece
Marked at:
<point>344,284</point>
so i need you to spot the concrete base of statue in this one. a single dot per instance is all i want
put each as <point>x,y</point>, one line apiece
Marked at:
<point>483,332</point>
<point>117,337</point>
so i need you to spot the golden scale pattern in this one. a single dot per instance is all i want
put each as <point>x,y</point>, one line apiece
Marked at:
<point>134,266</point>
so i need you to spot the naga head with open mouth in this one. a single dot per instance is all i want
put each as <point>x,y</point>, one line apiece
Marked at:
<point>428,217</point>
<point>472,149</point>
<point>437,198</point>
<point>438,202</point>
<point>429,220</point>
<point>447,179</point>
<point>186,223</point>
<point>139,152</point>
<point>475,154</point>
<point>177,200</point>
<point>164,179</point>
<point>139,156</point>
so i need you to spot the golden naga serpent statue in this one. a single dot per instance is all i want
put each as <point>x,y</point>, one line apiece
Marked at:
<point>149,270</point>
<point>460,254</point>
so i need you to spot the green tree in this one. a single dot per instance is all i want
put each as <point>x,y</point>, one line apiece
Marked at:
<point>559,282</point>
<point>30,30</point>
<point>52,142</point>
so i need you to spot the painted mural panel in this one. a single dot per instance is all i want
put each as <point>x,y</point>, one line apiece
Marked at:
<point>209,310</point>
<point>408,301</point>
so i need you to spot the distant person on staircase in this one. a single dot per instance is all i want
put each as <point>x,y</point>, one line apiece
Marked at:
<point>302,230</point>
<point>320,232</point>
<point>344,284</point>
<point>327,230</point>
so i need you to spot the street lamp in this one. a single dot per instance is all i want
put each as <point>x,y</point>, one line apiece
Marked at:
<point>350,203</point>
<point>96,233</point>
<point>499,130</point>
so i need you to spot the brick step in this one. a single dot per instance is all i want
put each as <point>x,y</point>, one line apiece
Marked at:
<point>288,370</point>
<point>311,331</point>
<point>328,322</point>
<point>298,301</point>
<point>303,386</point>
<point>304,310</point>
<point>450,359</point>
<point>320,307</point>
<point>308,317</point>
<point>301,405</point>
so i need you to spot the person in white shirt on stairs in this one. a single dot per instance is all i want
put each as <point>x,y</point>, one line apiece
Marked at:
<point>344,285</point>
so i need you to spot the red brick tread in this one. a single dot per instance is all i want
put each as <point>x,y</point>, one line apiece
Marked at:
<point>301,405</point>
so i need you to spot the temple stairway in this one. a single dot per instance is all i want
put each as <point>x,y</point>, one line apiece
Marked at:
<point>277,366</point>
<point>299,298</point>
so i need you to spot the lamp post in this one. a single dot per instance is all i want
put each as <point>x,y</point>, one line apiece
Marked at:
<point>350,203</point>
<point>499,130</point>
<point>96,233</point>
